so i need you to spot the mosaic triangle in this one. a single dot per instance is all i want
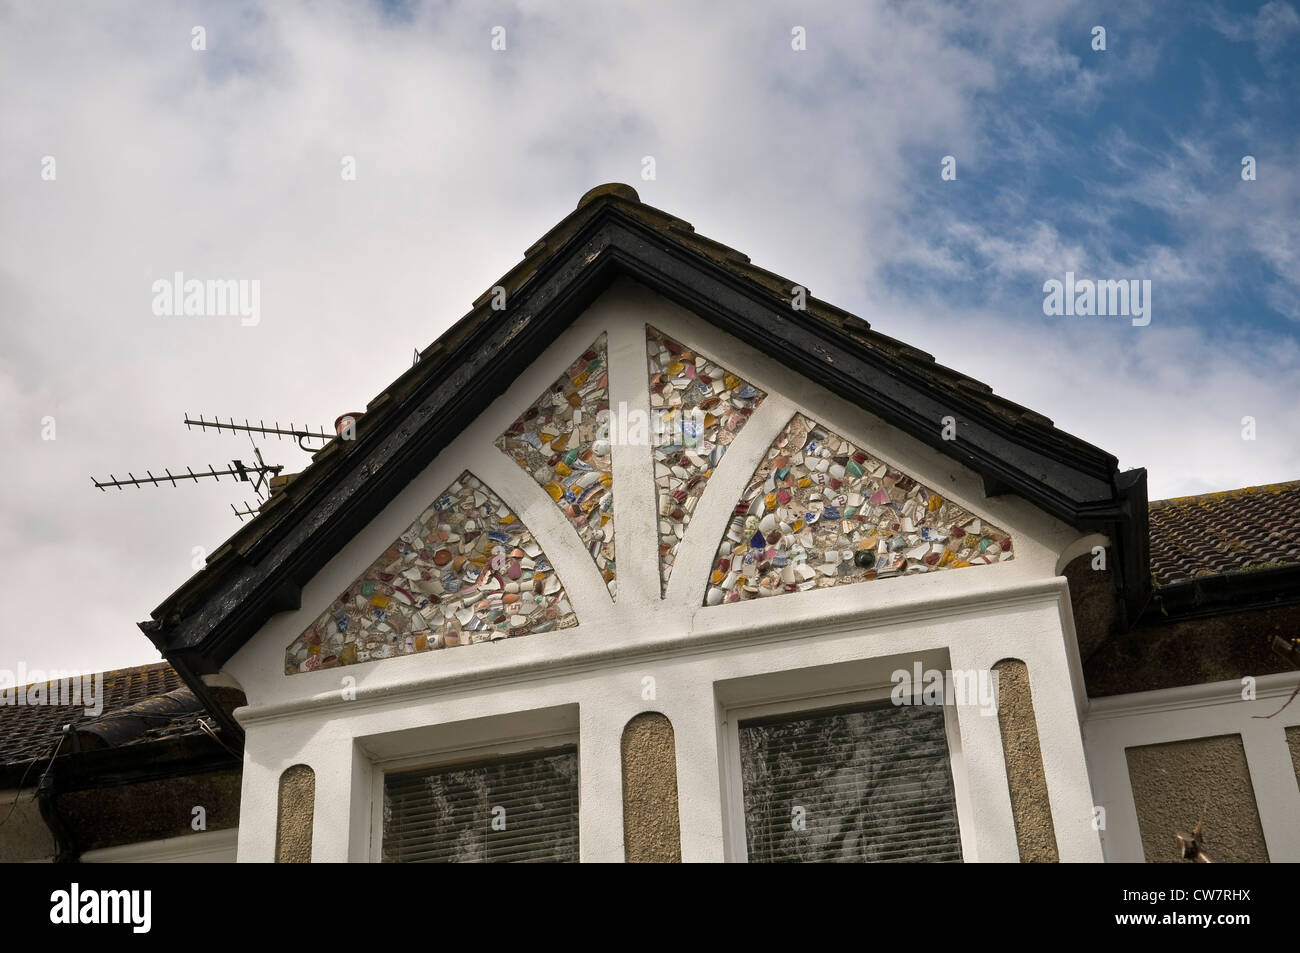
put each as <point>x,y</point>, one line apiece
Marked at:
<point>821,512</point>
<point>467,570</point>
<point>699,408</point>
<point>562,442</point>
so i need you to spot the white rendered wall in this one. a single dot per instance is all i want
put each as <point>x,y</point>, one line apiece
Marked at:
<point>1183,714</point>
<point>974,617</point>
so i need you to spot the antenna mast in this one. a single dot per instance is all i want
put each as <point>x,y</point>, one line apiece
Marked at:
<point>261,429</point>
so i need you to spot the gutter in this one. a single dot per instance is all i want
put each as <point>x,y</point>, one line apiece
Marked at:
<point>1233,592</point>
<point>81,770</point>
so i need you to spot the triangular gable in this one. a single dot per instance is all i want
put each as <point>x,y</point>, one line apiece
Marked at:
<point>558,441</point>
<point>466,570</point>
<point>263,567</point>
<point>699,408</point>
<point>820,512</point>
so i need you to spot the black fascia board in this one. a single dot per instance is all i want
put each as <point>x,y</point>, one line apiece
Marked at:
<point>1077,486</point>
<point>131,764</point>
<point>1223,594</point>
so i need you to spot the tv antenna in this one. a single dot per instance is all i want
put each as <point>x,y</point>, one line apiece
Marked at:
<point>257,473</point>
<point>299,434</point>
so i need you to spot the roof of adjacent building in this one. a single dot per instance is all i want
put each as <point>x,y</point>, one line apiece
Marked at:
<point>145,703</point>
<point>1254,528</point>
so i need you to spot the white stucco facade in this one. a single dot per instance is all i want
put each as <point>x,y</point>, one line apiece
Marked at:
<point>705,663</point>
<point>1192,712</point>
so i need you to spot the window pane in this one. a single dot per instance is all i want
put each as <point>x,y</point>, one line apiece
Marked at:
<point>864,785</point>
<point>507,810</point>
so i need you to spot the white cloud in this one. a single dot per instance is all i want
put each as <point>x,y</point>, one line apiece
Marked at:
<point>1270,29</point>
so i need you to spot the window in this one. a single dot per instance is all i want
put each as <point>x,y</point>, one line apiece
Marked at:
<point>522,808</point>
<point>859,784</point>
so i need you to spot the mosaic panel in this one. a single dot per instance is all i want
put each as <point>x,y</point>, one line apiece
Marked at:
<point>820,512</point>
<point>466,571</point>
<point>562,440</point>
<point>699,407</point>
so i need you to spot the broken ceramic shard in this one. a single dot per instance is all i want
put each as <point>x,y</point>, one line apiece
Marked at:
<point>821,512</point>
<point>699,408</point>
<point>561,441</point>
<point>405,603</point>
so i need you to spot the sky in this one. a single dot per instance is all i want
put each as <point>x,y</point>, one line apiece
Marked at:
<point>927,166</point>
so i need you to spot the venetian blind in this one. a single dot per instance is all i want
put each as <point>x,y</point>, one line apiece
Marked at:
<point>508,810</point>
<point>852,785</point>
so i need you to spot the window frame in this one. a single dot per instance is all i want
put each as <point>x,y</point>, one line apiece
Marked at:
<point>540,743</point>
<point>737,846</point>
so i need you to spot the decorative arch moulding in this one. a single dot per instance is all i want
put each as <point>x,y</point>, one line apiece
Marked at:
<point>820,512</point>
<point>467,570</point>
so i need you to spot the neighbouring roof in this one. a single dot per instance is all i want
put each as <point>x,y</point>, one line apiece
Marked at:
<point>612,234</point>
<point>1254,528</point>
<point>145,703</point>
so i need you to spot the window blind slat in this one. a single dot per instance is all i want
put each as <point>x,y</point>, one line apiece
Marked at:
<point>446,815</point>
<point>870,785</point>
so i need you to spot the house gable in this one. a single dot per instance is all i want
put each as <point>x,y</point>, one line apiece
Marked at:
<point>646,612</point>
<point>265,567</point>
